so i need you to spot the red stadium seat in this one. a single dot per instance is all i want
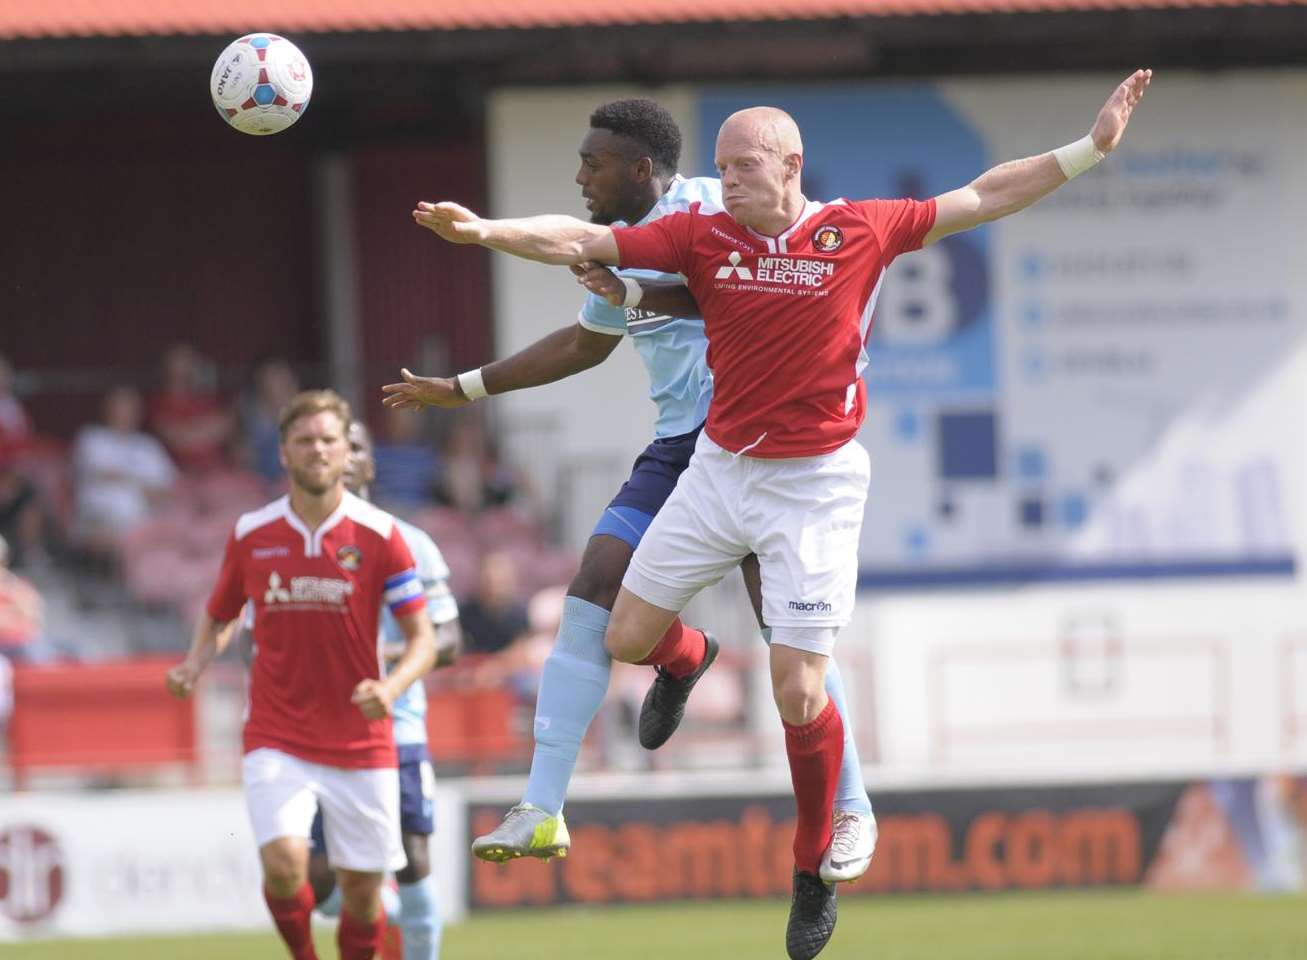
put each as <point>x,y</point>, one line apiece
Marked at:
<point>504,525</point>
<point>445,524</point>
<point>150,572</point>
<point>475,728</point>
<point>229,493</point>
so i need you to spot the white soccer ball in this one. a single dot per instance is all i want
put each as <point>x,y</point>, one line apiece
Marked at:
<point>261,83</point>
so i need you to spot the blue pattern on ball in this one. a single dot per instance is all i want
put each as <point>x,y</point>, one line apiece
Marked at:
<point>260,41</point>
<point>264,94</point>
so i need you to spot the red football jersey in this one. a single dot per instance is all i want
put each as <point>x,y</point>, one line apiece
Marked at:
<point>317,598</point>
<point>787,317</point>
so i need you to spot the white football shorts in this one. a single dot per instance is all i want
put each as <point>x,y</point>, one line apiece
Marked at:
<point>801,516</point>
<point>360,807</point>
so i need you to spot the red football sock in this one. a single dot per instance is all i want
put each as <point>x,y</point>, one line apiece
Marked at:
<point>359,939</point>
<point>816,751</point>
<point>293,916</point>
<point>680,651</point>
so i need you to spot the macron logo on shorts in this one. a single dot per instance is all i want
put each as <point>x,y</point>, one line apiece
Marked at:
<point>818,606</point>
<point>724,273</point>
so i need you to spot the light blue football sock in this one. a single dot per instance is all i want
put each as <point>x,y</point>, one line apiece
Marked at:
<point>851,792</point>
<point>572,686</point>
<point>390,902</point>
<point>331,906</point>
<point>419,919</point>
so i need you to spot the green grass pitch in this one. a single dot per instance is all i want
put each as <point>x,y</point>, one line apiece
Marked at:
<point>1053,926</point>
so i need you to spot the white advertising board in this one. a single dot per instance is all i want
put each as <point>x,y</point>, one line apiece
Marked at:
<point>94,864</point>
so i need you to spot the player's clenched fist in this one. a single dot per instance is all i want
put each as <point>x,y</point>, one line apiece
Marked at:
<point>418,392</point>
<point>181,679</point>
<point>600,281</point>
<point>372,698</point>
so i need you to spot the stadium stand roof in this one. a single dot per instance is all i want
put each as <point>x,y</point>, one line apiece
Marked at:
<point>86,18</point>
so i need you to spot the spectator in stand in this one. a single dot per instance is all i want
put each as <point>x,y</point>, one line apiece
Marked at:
<point>21,613</point>
<point>187,413</point>
<point>407,466</point>
<point>275,384</point>
<point>15,425</point>
<point>119,470</point>
<point>497,625</point>
<point>473,476</point>
<point>22,514</point>
<point>494,618</point>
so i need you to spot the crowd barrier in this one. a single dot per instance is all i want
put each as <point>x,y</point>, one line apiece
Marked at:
<point>100,719</point>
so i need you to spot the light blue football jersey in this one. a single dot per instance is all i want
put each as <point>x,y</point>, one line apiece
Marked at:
<point>674,349</point>
<point>411,708</point>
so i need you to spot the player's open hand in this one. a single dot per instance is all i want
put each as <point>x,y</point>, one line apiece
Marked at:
<point>418,392</point>
<point>181,679</point>
<point>372,698</point>
<point>1112,119</point>
<point>450,221</point>
<point>600,281</point>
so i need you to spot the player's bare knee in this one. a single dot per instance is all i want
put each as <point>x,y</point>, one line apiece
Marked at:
<point>321,878</point>
<point>360,893</point>
<point>602,568</point>
<point>419,860</point>
<point>623,644</point>
<point>597,585</point>
<point>285,868</point>
<point>797,698</point>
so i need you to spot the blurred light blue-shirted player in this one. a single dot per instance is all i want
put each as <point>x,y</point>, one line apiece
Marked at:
<point>627,175</point>
<point>417,913</point>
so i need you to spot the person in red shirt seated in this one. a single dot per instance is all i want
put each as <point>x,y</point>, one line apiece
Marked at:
<point>187,415</point>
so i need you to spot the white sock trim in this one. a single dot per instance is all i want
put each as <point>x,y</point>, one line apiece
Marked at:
<point>634,292</point>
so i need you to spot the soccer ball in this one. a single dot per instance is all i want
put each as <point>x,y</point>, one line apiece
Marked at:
<point>261,83</point>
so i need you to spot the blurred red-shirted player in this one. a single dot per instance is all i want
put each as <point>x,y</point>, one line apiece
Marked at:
<point>316,566</point>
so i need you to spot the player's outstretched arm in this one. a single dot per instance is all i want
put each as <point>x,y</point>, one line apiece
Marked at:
<point>548,239</point>
<point>1013,186</point>
<point>208,640</point>
<point>560,354</point>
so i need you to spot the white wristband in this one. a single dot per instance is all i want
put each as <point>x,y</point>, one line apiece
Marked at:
<point>634,292</point>
<point>1076,158</point>
<point>473,387</point>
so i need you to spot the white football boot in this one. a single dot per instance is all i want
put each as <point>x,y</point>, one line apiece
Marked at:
<point>853,841</point>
